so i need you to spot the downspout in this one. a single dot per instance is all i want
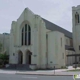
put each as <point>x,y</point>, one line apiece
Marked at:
<point>47,50</point>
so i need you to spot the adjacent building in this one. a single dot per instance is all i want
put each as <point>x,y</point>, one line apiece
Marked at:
<point>4,41</point>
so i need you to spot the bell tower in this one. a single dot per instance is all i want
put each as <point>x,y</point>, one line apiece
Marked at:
<point>76,28</point>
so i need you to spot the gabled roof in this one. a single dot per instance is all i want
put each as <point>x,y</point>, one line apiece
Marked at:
<point>53,27</point>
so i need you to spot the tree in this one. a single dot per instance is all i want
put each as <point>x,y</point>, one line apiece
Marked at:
<point>0,47</point>
<point>4,58</point>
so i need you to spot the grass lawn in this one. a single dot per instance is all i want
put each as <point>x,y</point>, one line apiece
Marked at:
<point>74,70</point>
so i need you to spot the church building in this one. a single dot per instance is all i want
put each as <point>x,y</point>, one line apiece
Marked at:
<point>38,42</point>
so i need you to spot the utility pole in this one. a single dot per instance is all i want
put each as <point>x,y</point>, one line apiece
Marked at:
<point>54,70</point>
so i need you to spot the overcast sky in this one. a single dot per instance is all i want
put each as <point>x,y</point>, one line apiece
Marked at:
<point>56,11</point>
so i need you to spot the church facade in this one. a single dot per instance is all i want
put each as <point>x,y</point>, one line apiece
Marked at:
<point>28,40</point>
<point>38,42</point>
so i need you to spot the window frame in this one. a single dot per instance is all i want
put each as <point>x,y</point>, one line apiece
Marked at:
<point>26,35</point>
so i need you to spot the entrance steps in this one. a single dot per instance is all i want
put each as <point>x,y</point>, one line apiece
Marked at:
<point>18,67</point>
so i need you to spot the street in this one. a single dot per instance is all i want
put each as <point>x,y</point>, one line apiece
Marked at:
<point>32,77</point>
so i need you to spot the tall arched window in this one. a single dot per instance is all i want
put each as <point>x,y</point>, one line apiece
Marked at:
<point>76,18</point>
<point>26,35</point>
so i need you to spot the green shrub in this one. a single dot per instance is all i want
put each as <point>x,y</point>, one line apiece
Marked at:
<point>63,67</point>
<point>4,59</point>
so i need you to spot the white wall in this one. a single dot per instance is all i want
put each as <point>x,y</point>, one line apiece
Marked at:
<point>67,41</point>
<point>38,38</point>
<point>76,29</point>
<point>55,50</point>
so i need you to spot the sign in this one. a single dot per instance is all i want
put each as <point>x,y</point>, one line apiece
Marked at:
<point>75,77</point>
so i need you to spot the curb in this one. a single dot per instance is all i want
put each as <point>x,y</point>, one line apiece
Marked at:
<point>42,74</point>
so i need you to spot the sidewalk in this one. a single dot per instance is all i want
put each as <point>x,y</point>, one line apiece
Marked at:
<point>7,71</point>
<point>59,72</point>
<point>49,73</point>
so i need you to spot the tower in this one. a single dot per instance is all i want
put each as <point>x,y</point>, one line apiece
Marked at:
<point>76,28</point>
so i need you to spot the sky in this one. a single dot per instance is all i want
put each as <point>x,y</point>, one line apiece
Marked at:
<point>58,12</point>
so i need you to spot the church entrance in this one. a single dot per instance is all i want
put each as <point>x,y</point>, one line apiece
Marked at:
<point>20,57</point>
<point>28,57</point>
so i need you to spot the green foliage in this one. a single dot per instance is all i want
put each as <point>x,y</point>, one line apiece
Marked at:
<point>4,59</point>
<point>0,46</point>
<point>79,65</point>
<point>63,67</point>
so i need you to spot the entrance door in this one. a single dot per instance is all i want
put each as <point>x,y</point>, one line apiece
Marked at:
<point>29,60</point>
<point>20,57</point>
<point>28,57</point>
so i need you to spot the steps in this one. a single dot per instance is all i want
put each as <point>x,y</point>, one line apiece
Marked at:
<point>23,67</point>
<point>18,67</point>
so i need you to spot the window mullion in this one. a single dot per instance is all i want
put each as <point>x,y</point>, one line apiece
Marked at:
<point>24,36</point>
<point>27,35</point>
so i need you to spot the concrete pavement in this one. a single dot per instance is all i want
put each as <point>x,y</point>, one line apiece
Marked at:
<point>33,77</point>
<point>59,72</point>
<point>7,71</point>
<point>46,73</point>
<point>49,73</point>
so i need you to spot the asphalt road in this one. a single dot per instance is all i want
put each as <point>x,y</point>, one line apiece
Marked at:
<point>32,77</point>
